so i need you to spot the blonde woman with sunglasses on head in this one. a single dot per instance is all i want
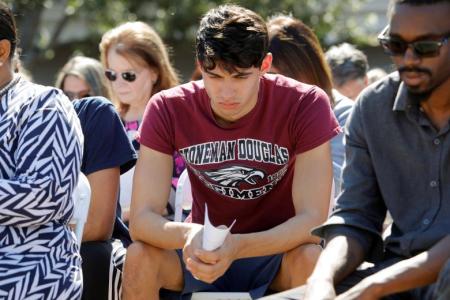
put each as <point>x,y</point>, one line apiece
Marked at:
<point>137,65</point>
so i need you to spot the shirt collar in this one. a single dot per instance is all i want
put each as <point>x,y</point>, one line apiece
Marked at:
<point>402,101</point>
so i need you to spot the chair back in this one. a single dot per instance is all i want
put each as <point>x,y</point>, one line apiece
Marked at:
<point>82,199</point>
<point>183,196</point>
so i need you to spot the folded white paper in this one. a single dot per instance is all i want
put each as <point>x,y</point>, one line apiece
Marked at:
<point>213,237</point>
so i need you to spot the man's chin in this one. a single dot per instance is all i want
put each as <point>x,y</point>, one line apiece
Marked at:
<point>418,93</point>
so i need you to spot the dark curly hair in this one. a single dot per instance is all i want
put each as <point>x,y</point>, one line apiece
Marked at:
<point>8,29</point>
<point>232,37</point>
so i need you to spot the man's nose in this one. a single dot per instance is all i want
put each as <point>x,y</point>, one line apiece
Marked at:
<point>410,57</point>
<point>227,90</point>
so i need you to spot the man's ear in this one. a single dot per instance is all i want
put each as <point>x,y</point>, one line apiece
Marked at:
<point>198,65</point>
<point>266,64</point>
<point>5,50</point>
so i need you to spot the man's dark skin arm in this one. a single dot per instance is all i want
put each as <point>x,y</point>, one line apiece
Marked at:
<point>341,256</point>
<point>417,271</point>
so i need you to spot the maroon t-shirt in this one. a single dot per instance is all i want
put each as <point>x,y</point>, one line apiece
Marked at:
<point>243,171</point>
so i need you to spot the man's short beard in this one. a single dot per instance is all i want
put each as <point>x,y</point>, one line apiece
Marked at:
<point>414,92</point>
<point>419,96</point>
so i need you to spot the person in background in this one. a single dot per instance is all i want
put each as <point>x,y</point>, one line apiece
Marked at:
<point>137,65</point>
<point>297,54</point>
<point>82,77</point>
<point>349,67</point>
<point>41,146</point>
<point>107,154</point>
<point>398,156</point>
<point>375,74</point>
<point>258,152</point>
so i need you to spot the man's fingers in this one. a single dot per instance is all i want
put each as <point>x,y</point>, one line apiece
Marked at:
<point>202,271</point>
<point>208,257</point>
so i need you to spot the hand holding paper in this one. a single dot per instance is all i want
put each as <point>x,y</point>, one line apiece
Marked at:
<point>213,237</point>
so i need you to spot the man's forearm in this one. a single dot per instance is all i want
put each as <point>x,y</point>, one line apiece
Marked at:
<point>280,239</point>
<point>341,256</point>
<point>153,229</point>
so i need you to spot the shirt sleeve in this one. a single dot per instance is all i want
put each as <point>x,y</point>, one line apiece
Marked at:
<point>156,130</point>
<point>315,122</point>
<point>360,206</point>
<point>106,144</point>
<point>47,160</point>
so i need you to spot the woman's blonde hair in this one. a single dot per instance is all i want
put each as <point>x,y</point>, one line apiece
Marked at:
<point>139,41</point>
<point>88,69</point>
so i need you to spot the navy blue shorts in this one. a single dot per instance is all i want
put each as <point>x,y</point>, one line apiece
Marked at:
<point>253,275</point>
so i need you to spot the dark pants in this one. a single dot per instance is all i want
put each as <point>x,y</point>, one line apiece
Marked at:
<point>253,275</point>
<point>429,292</point>
<point>102,264</point>
<point>438,291</point>
<point>442,290</point>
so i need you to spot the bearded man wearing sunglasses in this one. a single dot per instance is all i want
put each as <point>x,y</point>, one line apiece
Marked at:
<point>398,160</point>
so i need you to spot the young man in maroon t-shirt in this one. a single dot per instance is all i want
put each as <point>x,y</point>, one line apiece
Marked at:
<point>257,150</point>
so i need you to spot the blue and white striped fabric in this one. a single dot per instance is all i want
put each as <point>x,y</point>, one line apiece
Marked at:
<point>40,157</point>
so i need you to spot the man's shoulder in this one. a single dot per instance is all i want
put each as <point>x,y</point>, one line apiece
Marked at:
<point>375,105</point>
<point>184,91</point>
<point>282,88</point>
<point>283,83</point>
<point>381,93</point>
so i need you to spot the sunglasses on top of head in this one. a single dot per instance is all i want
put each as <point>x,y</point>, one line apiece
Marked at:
<point>129,76</point>
<point>394,46</point>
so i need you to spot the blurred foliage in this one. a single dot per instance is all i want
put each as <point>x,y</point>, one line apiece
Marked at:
<point>179,21</point>
<point>176,21</point>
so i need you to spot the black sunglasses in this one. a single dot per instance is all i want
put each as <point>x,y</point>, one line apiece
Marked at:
<point>73,96</point>
<point>396,46</point>
<point>128,76</point>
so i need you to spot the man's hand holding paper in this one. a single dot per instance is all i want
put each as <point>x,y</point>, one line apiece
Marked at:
<point>218,250</point>
<point>193,242</point>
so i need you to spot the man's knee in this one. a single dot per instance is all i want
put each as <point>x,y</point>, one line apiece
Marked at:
<point>305,255</point>
<point>300,263</point>
<point>142,251</point>
<point>143,258</point>
<point>151,264</point>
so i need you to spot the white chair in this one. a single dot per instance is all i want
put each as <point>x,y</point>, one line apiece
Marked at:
<point>332,197</point>
<point>183,196</point>
<point>126,186</point>
<point>82,199</point>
